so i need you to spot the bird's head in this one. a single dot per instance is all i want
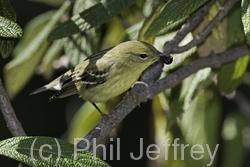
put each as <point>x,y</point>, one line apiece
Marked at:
<point>138,53</point>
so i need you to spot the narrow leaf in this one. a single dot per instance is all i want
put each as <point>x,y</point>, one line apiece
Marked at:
<point>245,16</point>
<point>230,75</point>
<point>84,120</point>
<point>50,56</point>
<point>174,12</point>
<point>147,23</point>
<point>234,131</point>
<point>19,70</point>
<point>196,128</point>
<point>34,26</point>
<point>235,34</point>
<point>217,39</point>
<point>47,151</point>
<point>92,17</point>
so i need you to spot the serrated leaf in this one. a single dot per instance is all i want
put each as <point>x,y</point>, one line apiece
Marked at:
<point>9,29</point>
<point>19,70</point>
<point>174,12</point>
<point>92,17</point>
<point>230,75</point>
<point>245,17</point>
<point>47,151</point>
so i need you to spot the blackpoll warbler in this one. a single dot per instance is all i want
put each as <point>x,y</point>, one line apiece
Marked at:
<point>106,74</point>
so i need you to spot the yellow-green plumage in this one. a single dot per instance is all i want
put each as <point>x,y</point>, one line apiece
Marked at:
<point>106,74</point>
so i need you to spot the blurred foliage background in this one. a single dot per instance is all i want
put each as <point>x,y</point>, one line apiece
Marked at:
<point>209,107</point>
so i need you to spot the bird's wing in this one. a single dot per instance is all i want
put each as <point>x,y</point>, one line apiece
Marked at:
<point>79,81</point>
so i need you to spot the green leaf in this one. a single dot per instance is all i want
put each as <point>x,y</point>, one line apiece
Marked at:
<point>235,27</point>
<point>147,22</point>
<point>182,96</point>
<point>197,129</point>
<point>230,75</point>
<point>191,87</point>
<point>233,131</point>
<point>47,151</point>
<point>6,45</point>
<point>133,31</point>
<point>245,17</point>
<point>9,29</point>
<point>217,39</point>
<point>19,70</point>
<point>115,33</point>
<point>50,56</point>
<point>37,24</point>
<point>80,46</point>
<point>6,10</point>
<point>173,13</point>
<point>92,17</point>
<point>84,120</point>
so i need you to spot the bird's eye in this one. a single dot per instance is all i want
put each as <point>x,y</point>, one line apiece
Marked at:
<point>143,56</point>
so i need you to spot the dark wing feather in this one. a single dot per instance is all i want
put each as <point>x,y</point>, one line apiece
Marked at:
<point>90,78</point>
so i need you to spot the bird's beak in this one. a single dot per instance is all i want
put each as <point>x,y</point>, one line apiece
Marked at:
<point>167,59</point>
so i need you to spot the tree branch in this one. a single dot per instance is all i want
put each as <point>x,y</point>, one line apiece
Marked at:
<point>9,115</point>
<point>172,46</point>
<point>193,21</point>
<point>143,93</point>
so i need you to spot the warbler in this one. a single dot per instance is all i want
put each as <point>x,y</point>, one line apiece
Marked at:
<point>107,73</point>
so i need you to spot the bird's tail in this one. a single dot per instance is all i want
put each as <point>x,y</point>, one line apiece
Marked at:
<point>39,90</point>
<point>54,85</point>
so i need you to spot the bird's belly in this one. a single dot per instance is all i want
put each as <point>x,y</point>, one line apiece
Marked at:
<point>103,92</point>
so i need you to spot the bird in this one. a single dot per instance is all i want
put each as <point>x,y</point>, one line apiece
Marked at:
<point>106,74</point>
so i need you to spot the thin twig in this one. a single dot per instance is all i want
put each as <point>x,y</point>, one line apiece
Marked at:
<point>192,22</point>
<point>143,93</point>
<point>9,115</point>
<point>202,35</point>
